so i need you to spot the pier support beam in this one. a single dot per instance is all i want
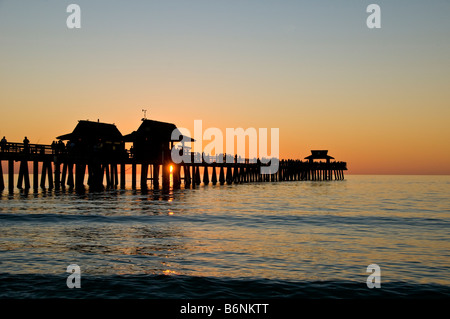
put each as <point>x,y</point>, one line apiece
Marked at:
<point>57,175</point>
<point>156,175</point>
<point>235,174</point>
<point>197,175</point>
<point>133,175</point>
<point>43,174</point>
<point>35,174</point>
<point>50,175</point>
<point>95,180</point>
<point>64,175</point>
<point>214,176</point>
<point>80,171</point>
<point>187,176</point>
<point>243,175</point>
<point>46,172</point>
<point>105,171</point>
<point>114,175</point>
<point>221,176</point>
<point>70,179</point>
<point>2,183</point>
<point>205,175</point>
<point>229,179</point>
<point>144,174</point>
<point>176,176</point>
<point>122,176</point>
<point>193,176</point>
<point>11,175</point>
<point>23,175</point>
<point>165,176</point>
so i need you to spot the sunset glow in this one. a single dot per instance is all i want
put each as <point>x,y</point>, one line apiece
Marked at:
<point>377,99</point>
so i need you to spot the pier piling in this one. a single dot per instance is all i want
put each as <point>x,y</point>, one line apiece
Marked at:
<point>122,176</point>
<point>2,183</point>
<point>205,176</point>
<point>221,176</point>
<point>11,175</point>
<point>214,175</point>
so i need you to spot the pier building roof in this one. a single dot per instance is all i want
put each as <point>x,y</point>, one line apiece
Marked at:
<point>319,154</point>
<point>156,130</point>
<point>93,130</point>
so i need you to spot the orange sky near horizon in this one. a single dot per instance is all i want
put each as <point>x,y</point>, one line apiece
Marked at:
<point>377,99</point>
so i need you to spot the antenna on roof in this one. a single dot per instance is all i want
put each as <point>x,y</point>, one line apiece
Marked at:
<point>145,114</point>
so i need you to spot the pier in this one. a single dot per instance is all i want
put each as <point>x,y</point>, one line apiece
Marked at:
<point>95,156</point>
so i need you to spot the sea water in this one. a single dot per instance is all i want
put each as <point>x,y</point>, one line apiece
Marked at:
<point>302,239</point>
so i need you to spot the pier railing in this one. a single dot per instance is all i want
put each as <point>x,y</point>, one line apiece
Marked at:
<point>24,148</point>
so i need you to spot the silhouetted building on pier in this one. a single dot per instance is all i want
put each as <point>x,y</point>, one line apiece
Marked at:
<point>153,141</point>
<point>323,171</point>
<point>95,140</point>
<point>318,155</point>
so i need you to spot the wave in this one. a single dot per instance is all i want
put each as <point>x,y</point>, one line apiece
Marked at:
<point>37,286</point>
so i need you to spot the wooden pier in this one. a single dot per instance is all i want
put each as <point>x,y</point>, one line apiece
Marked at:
<point>56,168</point>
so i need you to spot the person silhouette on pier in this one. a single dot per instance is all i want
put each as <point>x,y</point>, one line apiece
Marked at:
<point>3,144</point>
<point>60,146</point>
<point>131,151</point>
<point>25,144</point>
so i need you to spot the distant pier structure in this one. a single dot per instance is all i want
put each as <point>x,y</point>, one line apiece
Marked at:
<point>97,151</point>
<point>324,171</point>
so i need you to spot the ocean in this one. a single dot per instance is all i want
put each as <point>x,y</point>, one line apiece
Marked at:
<point>282,240</point>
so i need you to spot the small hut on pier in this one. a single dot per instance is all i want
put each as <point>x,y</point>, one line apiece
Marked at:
<point>152,141</point>
<point>323,171</point>
<point>95,140</point>
<point>318,155</point>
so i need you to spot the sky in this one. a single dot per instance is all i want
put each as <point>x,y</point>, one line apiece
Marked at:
<point>378,99</point>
